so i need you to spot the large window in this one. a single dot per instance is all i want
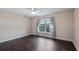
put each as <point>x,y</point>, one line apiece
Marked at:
<point>45,25</point>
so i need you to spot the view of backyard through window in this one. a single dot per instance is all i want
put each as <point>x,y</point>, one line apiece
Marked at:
<point>45,25</point>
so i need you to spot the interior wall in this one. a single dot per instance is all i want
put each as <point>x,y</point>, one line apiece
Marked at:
<point>13,26</point>
<point>63,23</point>
<point>76,28</point>
<point>34,25</point>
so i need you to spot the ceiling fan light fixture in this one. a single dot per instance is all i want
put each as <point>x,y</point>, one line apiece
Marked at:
<point>33,12</point>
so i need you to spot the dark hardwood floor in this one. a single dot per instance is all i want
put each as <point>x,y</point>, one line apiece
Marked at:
<point>36,43</point>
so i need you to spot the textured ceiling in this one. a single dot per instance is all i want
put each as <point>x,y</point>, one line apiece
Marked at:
<point>39,11</point>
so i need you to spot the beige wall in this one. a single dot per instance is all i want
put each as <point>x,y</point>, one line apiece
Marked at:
<point>76,28</point>
<point>63,25</point>
<point>34,25</point>
<point>13,26</point>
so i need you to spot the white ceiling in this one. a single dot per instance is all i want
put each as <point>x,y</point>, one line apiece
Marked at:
<point>39,12</point>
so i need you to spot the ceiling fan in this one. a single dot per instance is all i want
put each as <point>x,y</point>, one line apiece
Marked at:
<point>34,10</point>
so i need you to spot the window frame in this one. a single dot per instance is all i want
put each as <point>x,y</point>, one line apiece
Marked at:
<point>45,26</point>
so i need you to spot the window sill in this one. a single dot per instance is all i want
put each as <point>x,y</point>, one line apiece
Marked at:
<point>45,32</point>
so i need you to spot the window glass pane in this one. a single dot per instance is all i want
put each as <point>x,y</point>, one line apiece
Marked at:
<point>47,28</point>
<point>48,21</point>
<point>42,21</point>
<point>45,25</point>
<point>42,27</point>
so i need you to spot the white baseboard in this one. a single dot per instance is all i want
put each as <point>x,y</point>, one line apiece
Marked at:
<point>75,46</point>
<point>60,38</point>
<point>12,37</point>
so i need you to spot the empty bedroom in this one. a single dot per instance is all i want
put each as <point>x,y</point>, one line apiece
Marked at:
<point>39,29</point>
